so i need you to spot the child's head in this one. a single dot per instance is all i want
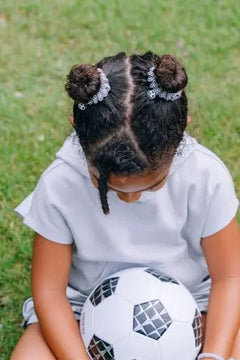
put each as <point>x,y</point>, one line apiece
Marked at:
<point>129,134</point>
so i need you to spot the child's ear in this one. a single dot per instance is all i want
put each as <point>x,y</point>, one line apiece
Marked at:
<point>71,121</point>
<point>189,119</point>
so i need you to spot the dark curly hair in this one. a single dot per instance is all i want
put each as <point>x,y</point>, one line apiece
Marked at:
<point>127,133</point>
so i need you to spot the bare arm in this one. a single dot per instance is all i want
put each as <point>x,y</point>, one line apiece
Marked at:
<point>50,271</point>
<point>222,252</point>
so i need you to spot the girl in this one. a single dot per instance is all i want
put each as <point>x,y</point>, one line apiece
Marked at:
<point>165,201</point>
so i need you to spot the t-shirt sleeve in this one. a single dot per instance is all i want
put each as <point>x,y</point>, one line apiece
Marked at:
<point>223,203</point>
<point>41,211</point>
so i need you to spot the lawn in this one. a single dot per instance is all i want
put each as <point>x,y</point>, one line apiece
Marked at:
<point>41,40</point>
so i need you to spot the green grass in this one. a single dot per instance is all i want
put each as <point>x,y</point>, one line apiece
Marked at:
<point>41,40</point>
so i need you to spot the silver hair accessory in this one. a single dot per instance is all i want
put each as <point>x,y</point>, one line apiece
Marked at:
<point>157,90</point>
<point>211,355</point>
<point>101,94</point>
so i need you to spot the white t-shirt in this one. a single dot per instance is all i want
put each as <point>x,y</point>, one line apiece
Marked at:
<point>162,229</point>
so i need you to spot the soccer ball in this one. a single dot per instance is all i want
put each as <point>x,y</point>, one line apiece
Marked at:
<point>141,314</point>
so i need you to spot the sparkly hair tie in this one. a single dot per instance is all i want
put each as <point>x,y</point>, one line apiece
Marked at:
<point>101,94</point>
<point>157,90</point>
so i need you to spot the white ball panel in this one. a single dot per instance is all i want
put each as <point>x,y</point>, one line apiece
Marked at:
<point>138,286</point>
<point>178,301</point>
<point>86,322</point>
<point>113,319</point>
<point>136,346</point>
<point>178,342</point>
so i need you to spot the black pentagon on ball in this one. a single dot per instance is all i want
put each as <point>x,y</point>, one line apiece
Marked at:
<point>160,276</point>
<point>197,327</point>
<point>104,290</point>
<point>100,350</point>
<point>151,319</point>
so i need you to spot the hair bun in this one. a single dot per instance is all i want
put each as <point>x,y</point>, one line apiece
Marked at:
<point>170,74</point>
<point>83,82</point>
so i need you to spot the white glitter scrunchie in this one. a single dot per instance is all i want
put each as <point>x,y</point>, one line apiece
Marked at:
<point>211,355</point>
<point>156,90</point>
<point>101,94</point>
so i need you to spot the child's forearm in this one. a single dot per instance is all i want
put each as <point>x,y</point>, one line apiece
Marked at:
<point>223,318</point>
<point>59,326</point>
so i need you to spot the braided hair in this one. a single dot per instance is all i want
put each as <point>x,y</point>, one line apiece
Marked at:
<point>128,133</point>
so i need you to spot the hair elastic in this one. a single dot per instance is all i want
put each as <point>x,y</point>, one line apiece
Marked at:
<point>157,90</point>
<point>101,94</point>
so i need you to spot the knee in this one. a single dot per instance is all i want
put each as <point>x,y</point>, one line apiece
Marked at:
<point>32,346</point>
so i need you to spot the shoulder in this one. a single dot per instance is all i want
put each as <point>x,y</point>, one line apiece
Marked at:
<point>60,175</point>
<point>55,167</point>
<point>204,166</point>
<point>202,176</point>
<point>208,161</point>
<point>60,186</point>
<point>195,162</point>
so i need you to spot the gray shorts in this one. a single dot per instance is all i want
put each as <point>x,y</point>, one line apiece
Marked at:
<point>76,300</point>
